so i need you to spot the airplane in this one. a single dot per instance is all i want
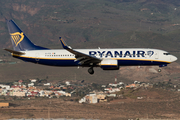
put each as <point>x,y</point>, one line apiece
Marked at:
<point>107,59</point>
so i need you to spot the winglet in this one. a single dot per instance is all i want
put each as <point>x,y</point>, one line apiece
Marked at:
<point>65,46</point>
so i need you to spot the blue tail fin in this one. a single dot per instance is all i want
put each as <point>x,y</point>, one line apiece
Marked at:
<point>19,40</point>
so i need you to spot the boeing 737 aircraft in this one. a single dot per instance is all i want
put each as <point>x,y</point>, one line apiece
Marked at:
<point>107,59</point>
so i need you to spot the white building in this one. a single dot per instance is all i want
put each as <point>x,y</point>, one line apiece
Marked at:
<point>47,84</point>
<point>42,93</point>
<point>33,80</point>
<point>120,83</point>
<point>7,87</point>
<point>4,92</point>
<point>112,84</point>
<point>111,95</point>
<point>90,98</point>
<point>30,84</point>
<point>19,94</point>
<point>82,100</point>
<point>68,83</point>
<point>111,90</point>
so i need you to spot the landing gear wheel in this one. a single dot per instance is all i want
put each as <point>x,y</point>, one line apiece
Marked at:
<point>159,70</point>
<point>91,71</point>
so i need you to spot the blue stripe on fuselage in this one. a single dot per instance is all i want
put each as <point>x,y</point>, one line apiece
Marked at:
<point>139,62</point>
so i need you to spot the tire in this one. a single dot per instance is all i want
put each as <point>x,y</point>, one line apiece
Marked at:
<point>159,70</point>
<point>91,71</point>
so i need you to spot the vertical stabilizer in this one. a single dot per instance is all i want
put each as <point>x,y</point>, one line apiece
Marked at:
<point>19,40</point>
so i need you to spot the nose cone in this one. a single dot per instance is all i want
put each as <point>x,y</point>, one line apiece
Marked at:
<point>173,58</point>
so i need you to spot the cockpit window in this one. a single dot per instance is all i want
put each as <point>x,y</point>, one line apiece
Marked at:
<point>166,53</point>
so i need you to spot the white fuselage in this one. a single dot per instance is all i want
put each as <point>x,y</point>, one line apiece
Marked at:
<point>124,57</point>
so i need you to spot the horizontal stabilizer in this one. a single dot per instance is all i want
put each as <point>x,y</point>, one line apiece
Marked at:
<point>14,52</point>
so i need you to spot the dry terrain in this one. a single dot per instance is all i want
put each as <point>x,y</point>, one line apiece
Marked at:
<point>156,103</point>
<point>150,73</point>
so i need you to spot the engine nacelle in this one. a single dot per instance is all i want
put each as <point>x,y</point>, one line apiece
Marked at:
<point>109,64</point>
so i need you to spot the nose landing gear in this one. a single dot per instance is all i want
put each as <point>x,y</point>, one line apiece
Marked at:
<point>159,70</point>
<point>90,70</point>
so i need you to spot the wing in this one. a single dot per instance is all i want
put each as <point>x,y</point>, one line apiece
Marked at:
<point>84,59</point>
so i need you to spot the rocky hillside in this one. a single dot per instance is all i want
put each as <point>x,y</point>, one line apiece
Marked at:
<point>87,24</point>
<point>151,74</point>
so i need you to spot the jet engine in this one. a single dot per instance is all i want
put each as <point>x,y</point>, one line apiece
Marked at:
<point>109,64</point>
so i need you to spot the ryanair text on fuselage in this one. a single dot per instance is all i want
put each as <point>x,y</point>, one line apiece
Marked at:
<point>115,54</point>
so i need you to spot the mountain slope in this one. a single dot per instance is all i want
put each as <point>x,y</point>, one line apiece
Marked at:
<point>90,24</point>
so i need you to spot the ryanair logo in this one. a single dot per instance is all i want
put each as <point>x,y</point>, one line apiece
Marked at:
<point>121,54</point>
<point>17,37</point>
<point>150,53</point>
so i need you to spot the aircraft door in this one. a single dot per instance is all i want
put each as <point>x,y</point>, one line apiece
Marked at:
<point>37,57</point>
<point>157,55</point>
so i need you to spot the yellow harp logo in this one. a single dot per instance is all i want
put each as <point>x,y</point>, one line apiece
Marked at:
<point>17,37</point>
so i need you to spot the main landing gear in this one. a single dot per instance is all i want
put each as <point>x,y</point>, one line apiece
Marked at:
<point>90,70</point>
